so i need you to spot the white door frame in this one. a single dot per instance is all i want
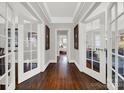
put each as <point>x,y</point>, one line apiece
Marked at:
<point>88,71</point>
<point>40,56</point>
<point>9,79</point>
<point>110,84</point>
<point>68,36</point>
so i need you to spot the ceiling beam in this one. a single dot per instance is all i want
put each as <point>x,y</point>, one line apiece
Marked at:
<point>89,11</point>
<point>42,8</point>
<point>33,9</point>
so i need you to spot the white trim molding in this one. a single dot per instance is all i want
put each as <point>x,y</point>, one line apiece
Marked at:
<point>68,35</point>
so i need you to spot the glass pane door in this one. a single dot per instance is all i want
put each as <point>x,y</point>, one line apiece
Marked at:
<point>28,52</point>
<point>116,60</point>
<point>7,62</point>
<point>95,48</point>
<point>3,39</point>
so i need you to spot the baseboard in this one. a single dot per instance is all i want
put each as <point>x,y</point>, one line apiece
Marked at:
<point>110,85</point>
<point>45,66</point>
<point>52,61</point>
<point>71,61</point>
<point>78,66</point>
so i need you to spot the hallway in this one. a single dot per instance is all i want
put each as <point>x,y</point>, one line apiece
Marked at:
<point>61,45</point>
<point>64,76</point>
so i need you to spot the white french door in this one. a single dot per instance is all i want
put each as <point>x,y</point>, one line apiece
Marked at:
<point>28,50</point>
<point>7,46</point>
<point>95,65</point>
<point>115,77</point>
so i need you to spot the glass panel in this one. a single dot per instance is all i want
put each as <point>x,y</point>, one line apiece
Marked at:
<point>113,30</point>
<point>89,45</point>
<point>96,66</point>
<point>9,78</point>
<point>27,67</point>
<point>113,61</point>
<point>27,45</point>
<point>27,34</point>
<point>121,22</point>
<point>9,61</point>
<point>27,55</point>
<point>121,45</point>
<point>120,8</point>
<point>34,27</point>
<point>9,37</point>
<point>89,53</point>
<point>96,46</point>
<point>2,83</point>
<point>34,64</point>
<point>16,37</point>
<point>34,55</point>
<point>89,64</point>
<point>34,41</point>
<point>2,26</point>
<point>120,84</point>
<point>113,77</point>
<point>2,66</point>
<point>2,46</point>
<point>121,65</point>
<point>113,14</point>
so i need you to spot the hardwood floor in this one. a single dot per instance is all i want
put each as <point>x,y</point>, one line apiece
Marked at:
<point>61,76</point>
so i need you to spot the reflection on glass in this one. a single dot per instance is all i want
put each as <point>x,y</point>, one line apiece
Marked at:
<point>96,66</point>
<point>89,54</point>
<point>34,41</point>
<point>9,78</point>
<point>121,45</point>
<point>34,65</point>
<point>113,77</point>
<point>2,46</point>
<point>9,61</point>
<point>96,55</point>
<point>120,84</point>
<point>113,61</point>
<point>121,65</point>
<point>2,66</point>
<point>27,67</point>
<point>27,28</point>
<point>89,64</point>
<point>89,45</point>
<point>96,46</point>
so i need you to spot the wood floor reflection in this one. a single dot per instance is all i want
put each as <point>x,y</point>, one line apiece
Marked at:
<point>61,76</point>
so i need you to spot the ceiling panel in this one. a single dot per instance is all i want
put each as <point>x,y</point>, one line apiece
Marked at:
<point>61,9</point>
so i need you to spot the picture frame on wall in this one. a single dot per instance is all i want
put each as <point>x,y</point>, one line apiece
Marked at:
<point>47,38</point>
<point>76,37</point>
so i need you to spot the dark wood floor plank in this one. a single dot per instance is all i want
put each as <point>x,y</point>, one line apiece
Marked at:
<point>61,76</point>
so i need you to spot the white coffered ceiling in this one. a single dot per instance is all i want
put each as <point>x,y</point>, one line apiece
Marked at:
<point>61,12</point>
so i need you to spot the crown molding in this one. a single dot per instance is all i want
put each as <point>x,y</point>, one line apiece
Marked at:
<point>89,11</point>
<point>44,10</point>
<point>47,9</point>
<point>76,9</point>
<point>32,8</point>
